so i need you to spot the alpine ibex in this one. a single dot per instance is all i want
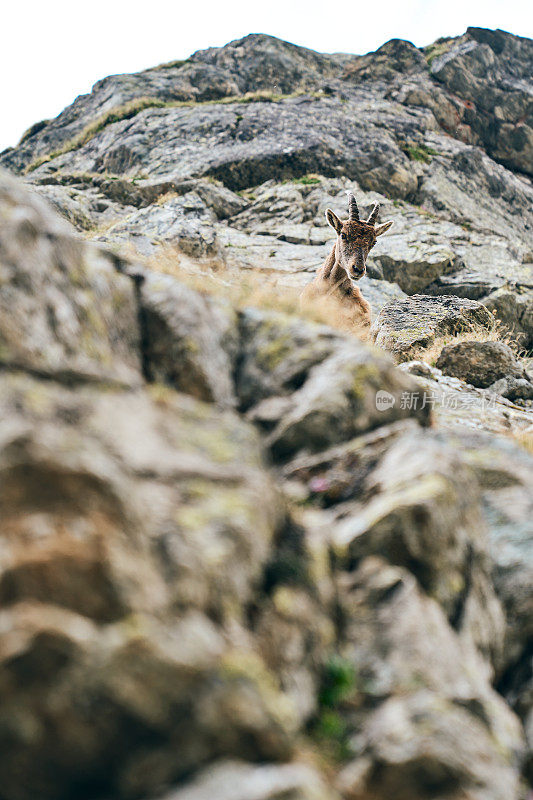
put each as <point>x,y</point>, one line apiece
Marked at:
<point>335,279</point>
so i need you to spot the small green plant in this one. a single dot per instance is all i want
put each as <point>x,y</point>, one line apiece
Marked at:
<point>419,152</point>
<point>170,65</point>
<point>437,49</point>
<point>339,685</point>
<point>307,180</point>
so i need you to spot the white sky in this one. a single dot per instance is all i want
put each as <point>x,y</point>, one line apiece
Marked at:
<point>54,50</point>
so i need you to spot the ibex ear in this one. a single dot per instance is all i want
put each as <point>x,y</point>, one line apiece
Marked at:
<point>333,220</point>
<point>382,228</point>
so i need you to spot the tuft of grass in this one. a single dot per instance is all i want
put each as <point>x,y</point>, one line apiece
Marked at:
<point>437,49</point>
<point>242,288</point>
<point>496,332</point>
<point>169,65</point>
<point>524,438</point>
<point>33,129</point>
<point>338,690</point>
<point>307,180</point>
<point>419,152</point>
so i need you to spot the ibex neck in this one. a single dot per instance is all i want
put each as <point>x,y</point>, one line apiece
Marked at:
<point>335,274</point>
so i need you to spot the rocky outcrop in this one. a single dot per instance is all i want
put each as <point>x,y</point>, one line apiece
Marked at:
<point>244,554</point>
<point>406,327</point>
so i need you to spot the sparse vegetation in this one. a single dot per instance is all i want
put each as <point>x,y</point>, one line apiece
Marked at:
<point>171,64</point>
<point>497,332</point>
<point>307,180</point>
<point>138,104</point>
<point>33,129</point>
<point>438,48</point>
<point>241,288</point>
<point>126,111</point>
<point>419,152</point>
<point>339,687</point>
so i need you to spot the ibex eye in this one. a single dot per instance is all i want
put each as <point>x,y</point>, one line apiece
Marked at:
<point>343,236</point>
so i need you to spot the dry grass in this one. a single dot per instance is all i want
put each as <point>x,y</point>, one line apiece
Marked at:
<point>496,332</point>
<point>524,438</point>
<point>243,287</point>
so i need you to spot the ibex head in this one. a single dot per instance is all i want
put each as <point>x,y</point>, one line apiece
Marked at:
<point>355,238</point>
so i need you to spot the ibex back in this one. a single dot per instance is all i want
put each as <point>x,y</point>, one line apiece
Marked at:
<point>334,283</point>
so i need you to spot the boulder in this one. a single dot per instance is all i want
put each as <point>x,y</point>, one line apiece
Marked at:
<point>513,388</point>
<point>190,341</point>
<point>417,691</point>
<point>479,363</point>
<point>64,310</point>
<point>410,325</point>
<point>183,222</point>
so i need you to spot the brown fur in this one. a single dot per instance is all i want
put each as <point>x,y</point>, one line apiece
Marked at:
<point>333,285</point>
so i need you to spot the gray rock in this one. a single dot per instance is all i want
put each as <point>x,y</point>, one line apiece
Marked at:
<point>513,388</point>
<point>64,310</point>
<point>183,222</point>
<point>424,699</point>
<point>515,309</point>
<point>490,71</point>
<point>189,341</point>
<point>240,781</point>
<point>458,406</point>
<point>407,326</point>
<point>341,398</point>
<point>479,363</point>
<point>277,353</point>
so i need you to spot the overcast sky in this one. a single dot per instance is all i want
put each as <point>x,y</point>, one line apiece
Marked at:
<point>55,50</point>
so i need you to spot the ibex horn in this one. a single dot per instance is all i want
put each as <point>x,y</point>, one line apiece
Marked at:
<point>374,215</point>
<point>352,205</point>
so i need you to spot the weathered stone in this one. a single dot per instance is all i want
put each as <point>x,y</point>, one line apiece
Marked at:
<point>189,341</point>
<point>339,399</point>
<point>479,363</point>
<point>513,388</point>
<point>406,327</point>
<point>456,405</point>
<point>240,781</point>
<point>162,474</point>
<point>183,222</point>
<point>489,71</point>
<point>425,690</point>
<point>64,310</point>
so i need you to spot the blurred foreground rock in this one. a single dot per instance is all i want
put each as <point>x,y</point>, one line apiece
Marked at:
<point>245,556</point>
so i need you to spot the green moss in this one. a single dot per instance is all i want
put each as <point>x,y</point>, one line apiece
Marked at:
<point>307,180</point>
<point>274,351</point>
<point>419,152</point>
<point>437,49</point>
<point>338,682</point>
